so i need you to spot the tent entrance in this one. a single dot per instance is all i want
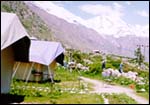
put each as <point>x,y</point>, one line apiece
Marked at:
<point>32,71</point>
<point>21,49</point>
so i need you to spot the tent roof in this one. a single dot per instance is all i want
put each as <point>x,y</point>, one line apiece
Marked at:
<point>25,48</point>
<point>44,52</point>
<point>11,29</point>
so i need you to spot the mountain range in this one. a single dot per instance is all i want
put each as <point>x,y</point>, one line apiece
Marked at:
<point>47,21</point>
<point>76,33</point>
<point>117,27</point>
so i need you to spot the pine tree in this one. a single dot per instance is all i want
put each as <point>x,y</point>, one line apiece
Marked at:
<point>139,57</point>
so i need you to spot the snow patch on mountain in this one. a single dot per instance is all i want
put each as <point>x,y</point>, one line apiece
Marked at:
<point>104,25</point>
<point>58,11</point>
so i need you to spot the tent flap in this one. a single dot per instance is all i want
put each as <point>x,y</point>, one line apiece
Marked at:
<point>60,59</point>
<point>45,52</point>
<point>11,29</point>
<point>21,49</point>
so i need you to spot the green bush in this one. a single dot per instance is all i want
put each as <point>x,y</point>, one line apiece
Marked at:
<point>96,58</point>
<point>144,86</point>
<point>123,81</point>
<point>6,8</point>
<point>112,63</point>
<point>109,65</point>
<point>116,63</point>
<point>77,57</point>
<point>95,68</point>
<point>147,64</point>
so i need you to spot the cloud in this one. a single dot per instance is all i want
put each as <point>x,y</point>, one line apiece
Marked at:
<point>98,9</point>
<point>61,3</point>
<point>118,9</point>
<point>143,13</point>
<point>117,5</point>
<point>128,3</point>
<point>141,30</point>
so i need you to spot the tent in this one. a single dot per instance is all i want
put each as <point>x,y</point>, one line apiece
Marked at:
<point>12,33</point>
<point>40,52</point>
<point>16,46</point>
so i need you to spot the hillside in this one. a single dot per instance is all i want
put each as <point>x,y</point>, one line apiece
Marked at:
<point>32,22</point>
<point>73,34</point>
<point>46,26</point>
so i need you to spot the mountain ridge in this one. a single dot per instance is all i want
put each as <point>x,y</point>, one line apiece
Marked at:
<point>92,39</point>
<point>101,23</point>
<point>71,35</point>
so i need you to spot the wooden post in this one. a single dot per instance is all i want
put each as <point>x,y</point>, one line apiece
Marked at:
<point>51,69</point>
<point>17,66</point>
<point>39,66</point>
<point>29,72</point>
<point>38,75</point>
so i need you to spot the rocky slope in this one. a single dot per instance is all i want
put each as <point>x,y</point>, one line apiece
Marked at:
<point>75,35</point>
<point>32,22</point>
<point>72,34</point>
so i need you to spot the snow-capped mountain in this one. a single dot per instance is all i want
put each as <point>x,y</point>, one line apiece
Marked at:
<point>101,33</point>
<point>141,30</point>
<point>116,26</point>
<point>58,11</point>
<point>104,25</point>
<point>110,26</point>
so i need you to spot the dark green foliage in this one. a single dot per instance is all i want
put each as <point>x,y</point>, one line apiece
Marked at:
<point>77,57</point>
<point>141,73</point>
<point>6,8</point>
<point>112,63</point>
<point>109,65</point>
<point>96,58</point>
<point>139,87</point>
<point>95,68</point>
<point>147,64</point>
<point>139,57</point>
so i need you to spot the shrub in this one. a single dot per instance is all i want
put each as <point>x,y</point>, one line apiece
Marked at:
<point>123,81</point>
<point>112,63</point>
<point>145,86</point>
<point>77,57</point>
<point>95,68</point>
<point>109,65</point>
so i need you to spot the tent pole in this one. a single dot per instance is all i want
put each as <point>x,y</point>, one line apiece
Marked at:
<point>29,72</point>
<point>25,71</point>
<point>18,64</point>
<point>50,74</point>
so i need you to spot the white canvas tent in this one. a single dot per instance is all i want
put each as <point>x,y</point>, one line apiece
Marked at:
<point>11,31</point>
<point>40,52</point>
<point>44,52</point>
<point>16,46</point>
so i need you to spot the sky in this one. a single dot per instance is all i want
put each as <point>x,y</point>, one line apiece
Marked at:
<point>132,12</point>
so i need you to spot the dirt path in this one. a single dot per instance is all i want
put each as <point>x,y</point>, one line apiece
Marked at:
<point>101,87</point>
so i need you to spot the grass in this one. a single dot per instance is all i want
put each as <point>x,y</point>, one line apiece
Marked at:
<point>65,75</point>
<point>145,95</point>
<point>69,89</point>
<point>68,92</point>
<point>119,99</point>
<point>68,98</point>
